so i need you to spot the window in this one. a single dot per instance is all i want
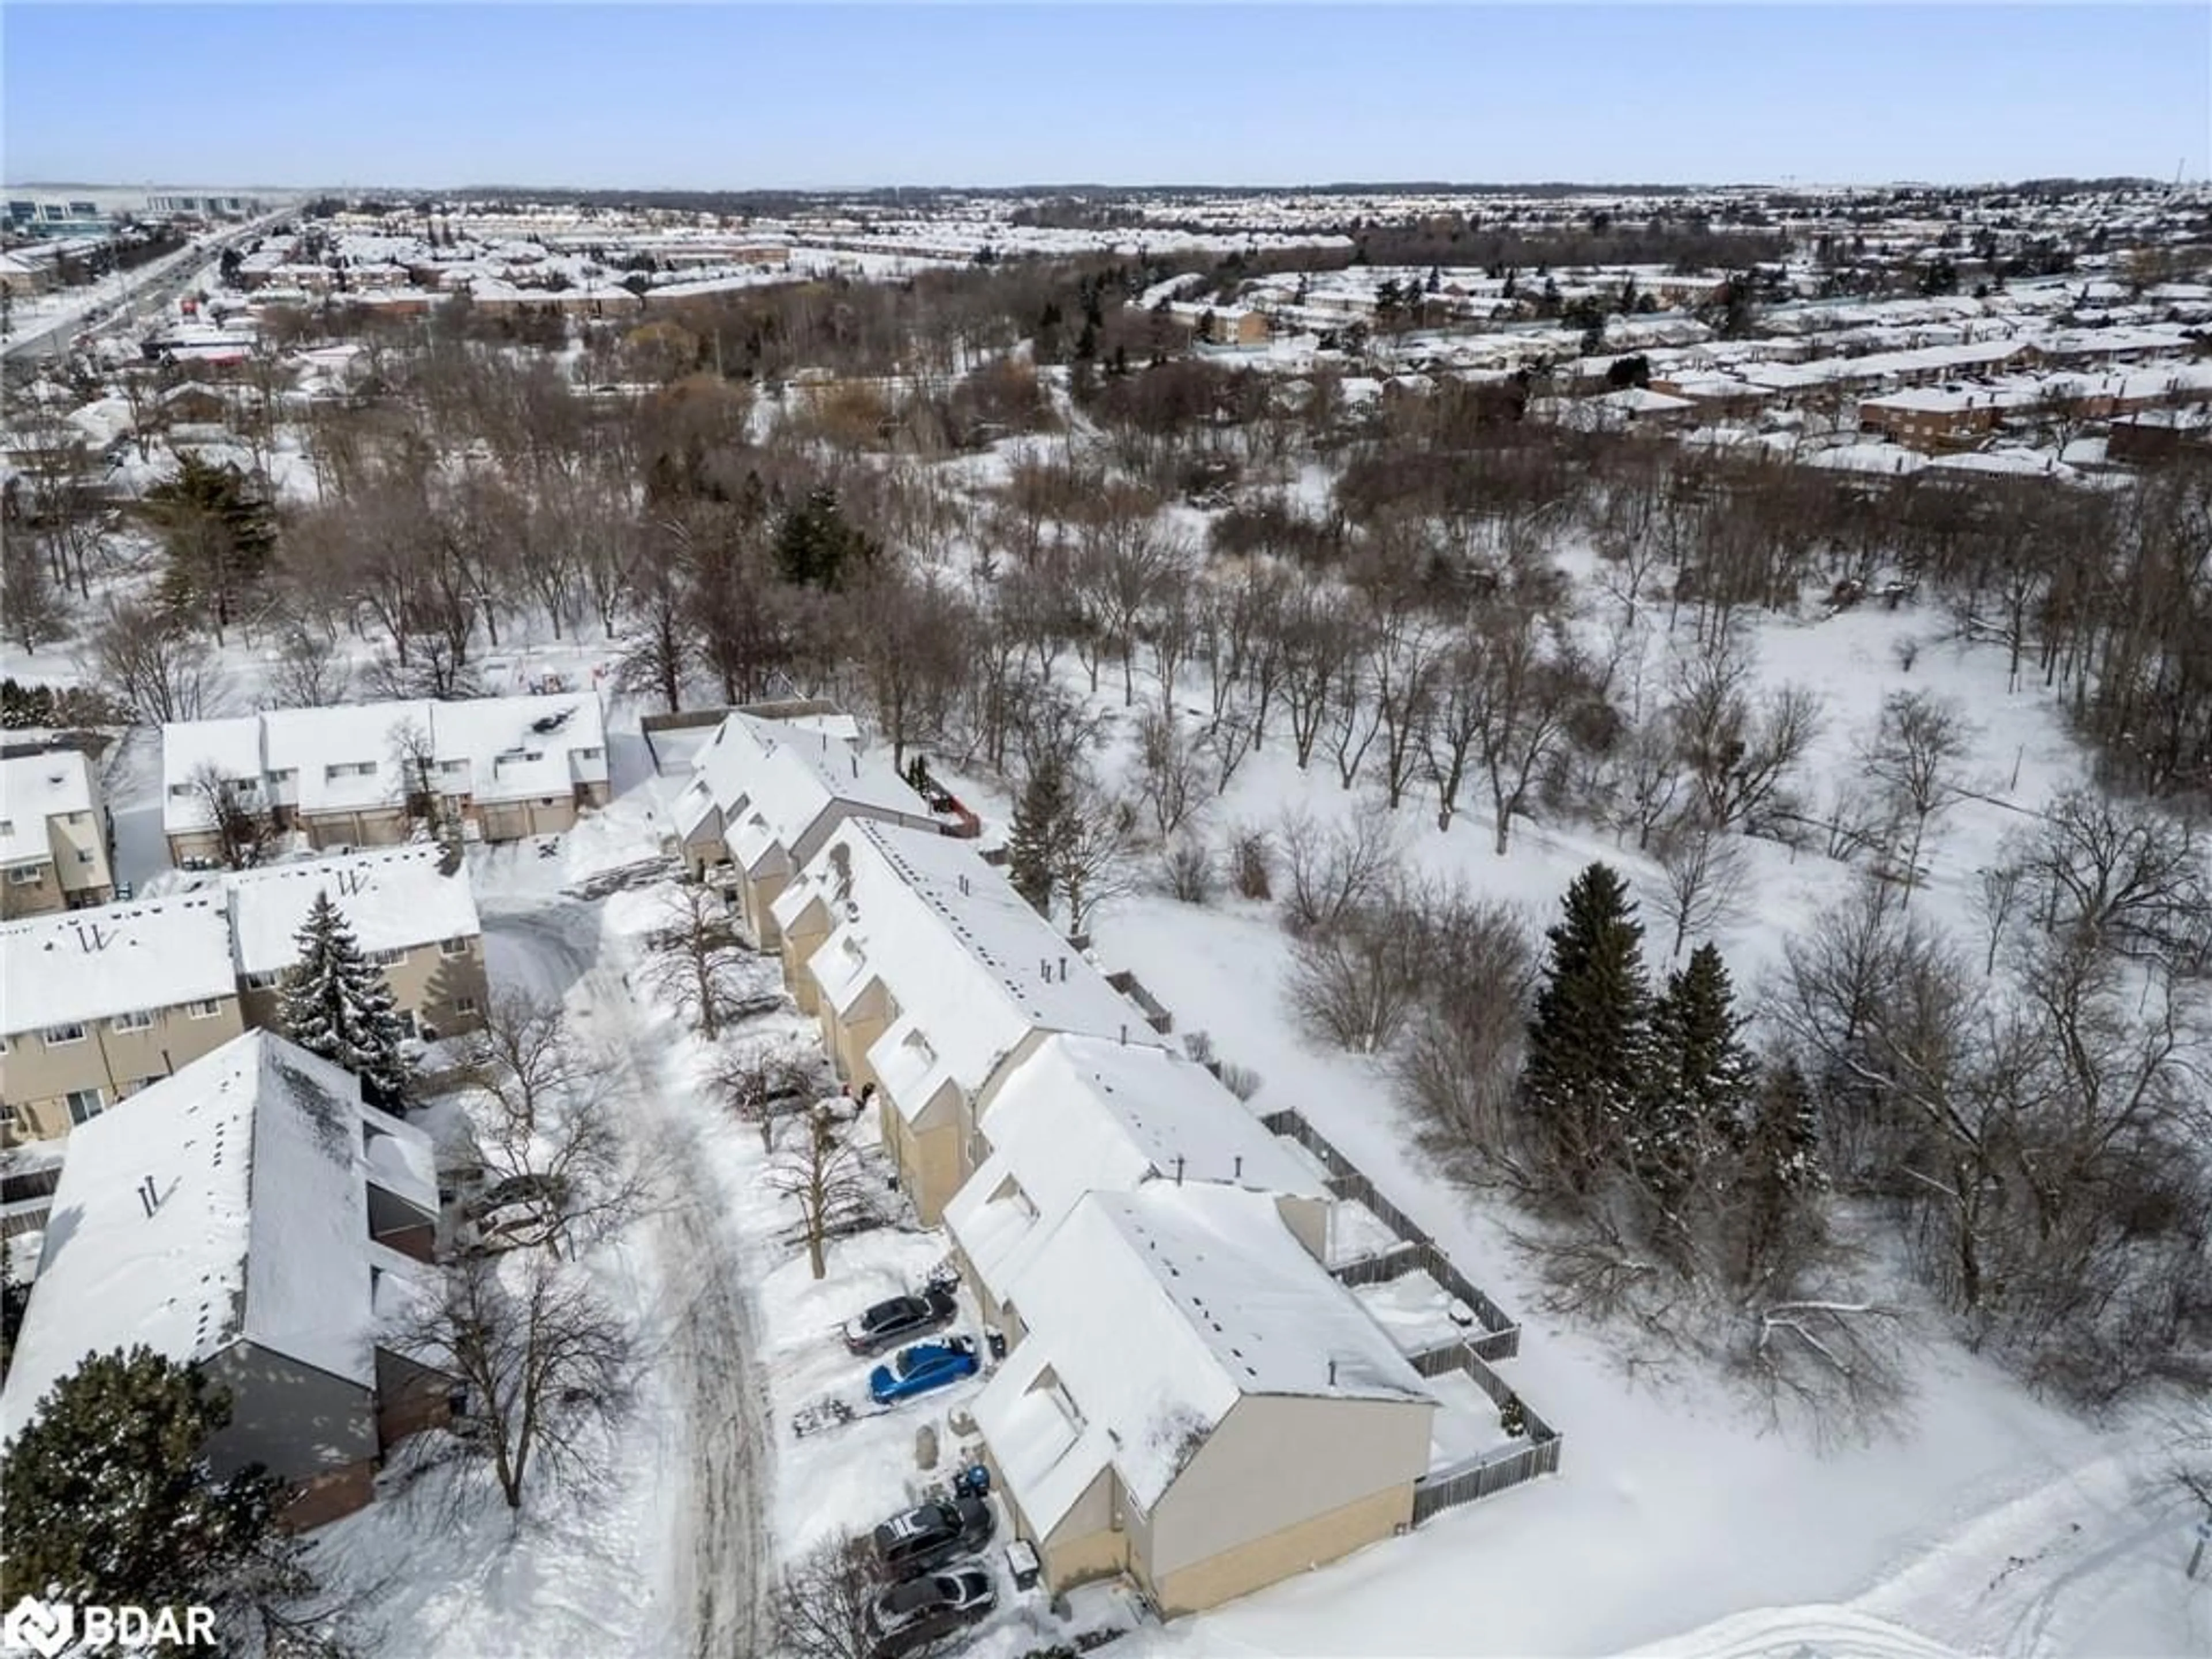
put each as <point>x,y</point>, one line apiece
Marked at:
<point>264,981</point>
<point>207,1010</point>
<point>7,827</point>
<point>85,1104</point>
<point>180,791</point>
<point>8,1118</point>
<point>60,1036</point>
<point>138,1083</point>
<point>456,946</point>
<point>386,959</point>
<point>589,754</point>
<point>284,775</point>
<point>138,1020</point>
<point>26,875</point>
<point>466,1005</point>
<point>453,768</point>
<point>85,855</point>
<point>350,769</point>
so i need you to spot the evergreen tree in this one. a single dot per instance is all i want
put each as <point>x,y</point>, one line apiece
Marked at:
<point>336,1005</point>
<point>109,1495</point>
<point>1701,1077</point>
<point>816,547</point>
<point>1589,1043</point>
<point>1779,1169</point>
<point>218,533</point>
<point>1033,844</point>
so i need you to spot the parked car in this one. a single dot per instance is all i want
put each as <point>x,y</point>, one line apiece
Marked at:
<point>901,1320</point>
<point>921,1538</point>
<point>922,1369</point>
<point>909,1616</point>
<point>520,1210</point>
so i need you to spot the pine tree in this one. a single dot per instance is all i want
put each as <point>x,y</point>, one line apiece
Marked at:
<point>1039,828</point>
<point>1589,1043</point>
<point>1701,1080</point>
<point>335,1003</point>
<point>109,1495</point>
<point>1779,1169</point>
<point>219,534</point>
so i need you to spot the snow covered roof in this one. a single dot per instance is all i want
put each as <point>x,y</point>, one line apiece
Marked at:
<point>973,968</point>
<point>232,746</point>
<point>1149,1315</point>
<point>36,788</point>
<point>773,778</point>
<point>394,899</point>
<point>1086,1113</point>
<point>509,756</point>
<point>496,750</point>
<point>259,1232</point>
<point>79,965</point>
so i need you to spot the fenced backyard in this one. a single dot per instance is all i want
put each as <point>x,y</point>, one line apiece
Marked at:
<point>1497,1338</point>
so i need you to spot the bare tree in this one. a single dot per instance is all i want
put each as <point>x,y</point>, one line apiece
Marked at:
<point>822,1610</point>
<point>816,1167</point>
<point>1091,860</point>
<point>1741,750</point>
<point>308,672</point>
<point>1357,981</point>
<point>2123,872</point>
<point>34,607</point>
<point>1917,748</point>
<point>765,1082</point>
<point>1460,1060</point>
<point>544,1360</point>
<point>1702,871</point>
<point>152,664</point>
<point>523,1056</point>
<point>1335,870</point>
<point>1995,897</point>
<point>1170,776</point>
<point>1526,692</point>
<point>237,813</point>
<point>695,957</point>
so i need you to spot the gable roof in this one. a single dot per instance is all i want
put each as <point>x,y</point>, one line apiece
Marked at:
<point>1150,1315</point>
<point>394,899</point>
<point>1084,1113</point>
<point>973,968</point>
<point>34,788</point>
<point>260,1232</point>
<point>79,965</point>
<point>773,778</point>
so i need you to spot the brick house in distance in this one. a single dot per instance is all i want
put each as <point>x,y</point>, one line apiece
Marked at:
<point>249,1215</point>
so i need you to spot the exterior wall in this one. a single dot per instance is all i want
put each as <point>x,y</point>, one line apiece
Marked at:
<point>409,1398</point>
<point>799,946</point>
<point>854,1032</point>
<point>80,844</point>
<point>929,1153</point>
<point>186,845</point>
<point>1086,1545</point>
<point>31,898</point>
<point>297,1421</point>
<point>36,1078</point>
<point>1308,1220</point>
<point>1243,1513</point>
<point>758,893</point>
<point>329,1498</point>
<point>375,826</point>
<point>535,815</point>
<point>1296,1548</point>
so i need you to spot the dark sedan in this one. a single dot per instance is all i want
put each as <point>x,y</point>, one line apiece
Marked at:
<point>900,1320</point>
<point>907,1617</point>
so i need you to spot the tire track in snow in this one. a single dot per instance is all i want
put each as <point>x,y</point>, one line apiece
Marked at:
<point>722,1567</point>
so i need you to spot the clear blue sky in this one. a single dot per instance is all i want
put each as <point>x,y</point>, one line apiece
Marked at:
<point>745,95</point>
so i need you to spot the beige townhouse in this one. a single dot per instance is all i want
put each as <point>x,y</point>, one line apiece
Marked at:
<point>53,835</point>
<point>101,1004</point>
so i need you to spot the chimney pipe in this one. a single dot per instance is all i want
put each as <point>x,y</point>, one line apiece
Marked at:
<point>1125,1036</point>
<point>1332,1373</point>
<point>1063,969</point>
<point>1237,1169</point>
<point>149,1196</point>
<point>1178,1169</point>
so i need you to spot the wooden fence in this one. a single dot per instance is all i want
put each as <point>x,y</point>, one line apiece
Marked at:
<point>1489,1473</point>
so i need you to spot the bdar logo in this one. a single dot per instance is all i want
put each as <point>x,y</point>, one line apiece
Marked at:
<point>44,1628</point>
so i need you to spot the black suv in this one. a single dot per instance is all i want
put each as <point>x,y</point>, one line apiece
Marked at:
<point>889,1324</point>
<point>907,1617</point>
<point>929,1537</point>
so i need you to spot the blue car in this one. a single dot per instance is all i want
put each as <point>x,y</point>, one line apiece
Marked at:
<point>923,1368</point>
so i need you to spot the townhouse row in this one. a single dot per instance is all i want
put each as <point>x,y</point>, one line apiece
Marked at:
<point>360,774</point>
<point>102,1003</point>
<point>252,1215</point>
<point>53,835</point>
<point>1188,1398</point>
